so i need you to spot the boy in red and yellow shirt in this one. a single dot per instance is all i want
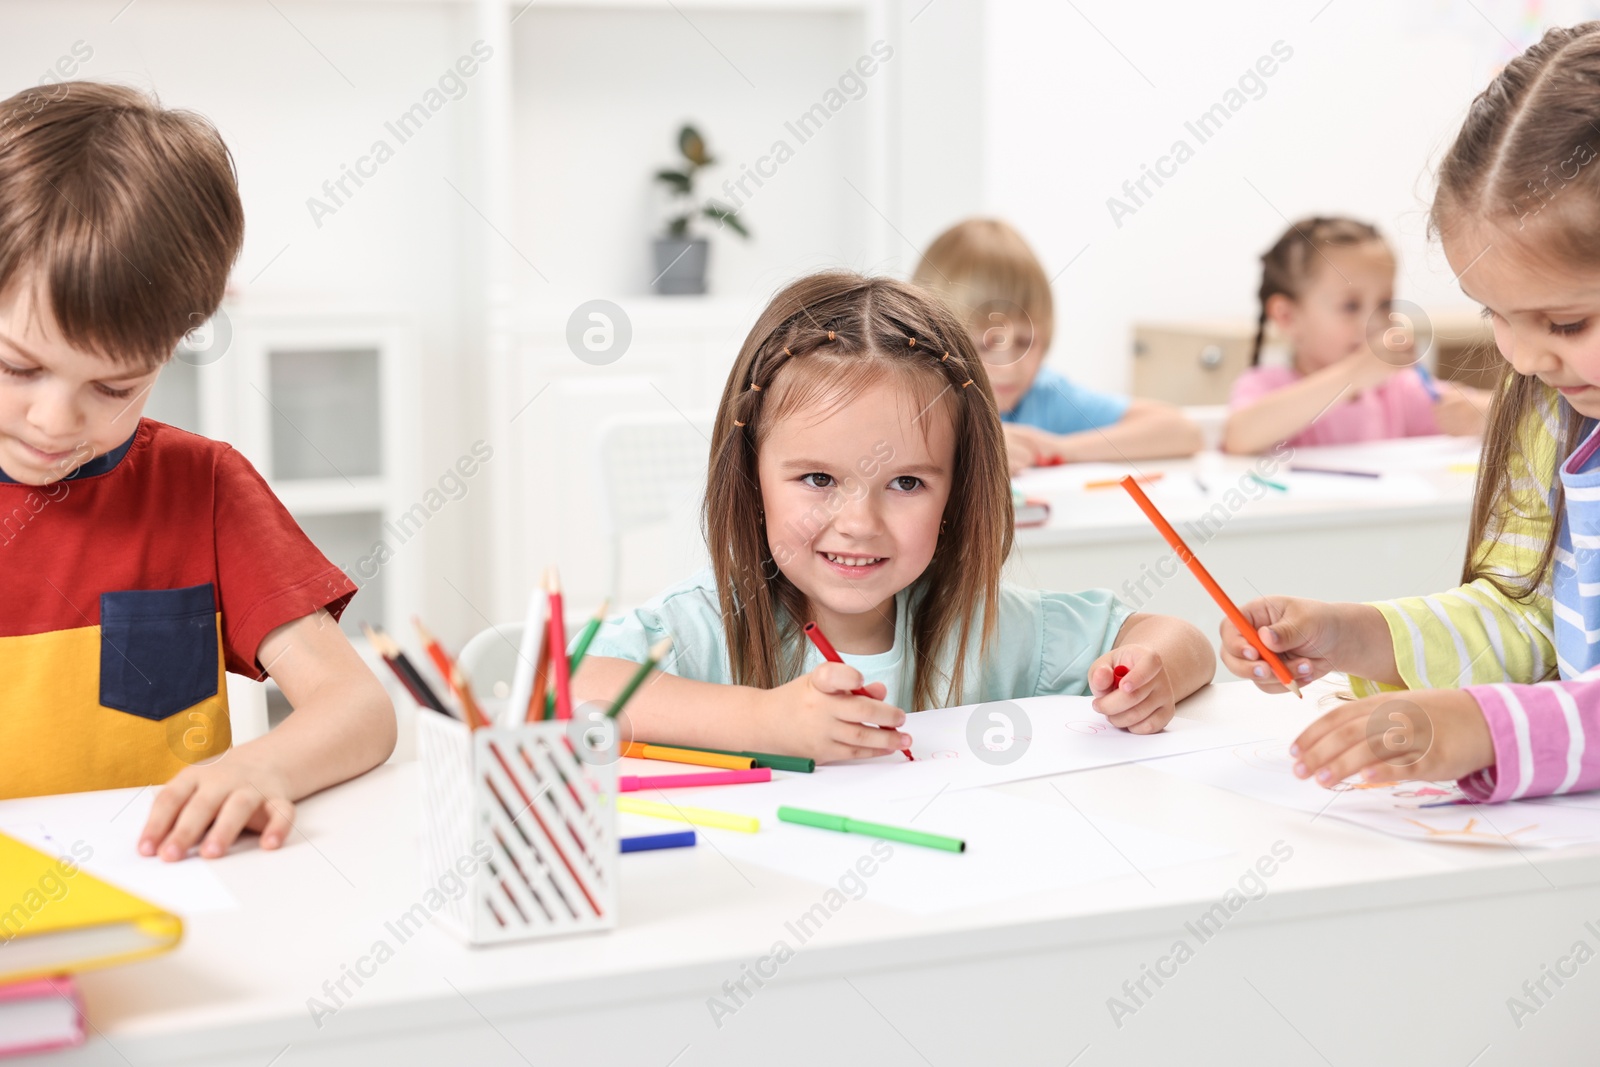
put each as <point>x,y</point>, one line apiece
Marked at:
<point>138,562</point>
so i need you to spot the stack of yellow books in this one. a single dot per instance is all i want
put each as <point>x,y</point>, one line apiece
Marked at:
<point>55,920</point>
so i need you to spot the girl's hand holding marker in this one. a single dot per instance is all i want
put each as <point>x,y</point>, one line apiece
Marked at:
<point>1132,689</point>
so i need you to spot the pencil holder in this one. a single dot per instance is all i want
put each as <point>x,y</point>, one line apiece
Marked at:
<point>525,822</point>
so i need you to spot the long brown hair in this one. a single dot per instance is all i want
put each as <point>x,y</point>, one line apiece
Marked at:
<point>1288,265</point>
<point>1532,120</point>
<point>826,338</point>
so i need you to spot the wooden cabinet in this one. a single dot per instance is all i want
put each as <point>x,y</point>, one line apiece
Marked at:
<point>1196,363</point>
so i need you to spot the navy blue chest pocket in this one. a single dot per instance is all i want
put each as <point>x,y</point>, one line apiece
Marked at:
<point>158,650</point>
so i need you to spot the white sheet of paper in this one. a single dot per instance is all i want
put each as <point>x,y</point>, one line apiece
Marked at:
<point>1015,847</point>
<point>962,747</point>
<point>108,823</point>
<point>1264,771</point>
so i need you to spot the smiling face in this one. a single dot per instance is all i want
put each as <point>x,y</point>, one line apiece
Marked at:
<point>59,406</point>
<point>1546,314</point>
<point>854,494</point>
<point>1348,288</point>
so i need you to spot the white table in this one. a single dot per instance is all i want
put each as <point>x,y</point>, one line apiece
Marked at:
<point>1329,537</point>
<point>1366,949</point>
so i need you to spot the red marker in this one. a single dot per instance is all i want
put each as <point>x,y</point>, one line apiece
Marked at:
<point>831,654</point>
<point>1118,673</point>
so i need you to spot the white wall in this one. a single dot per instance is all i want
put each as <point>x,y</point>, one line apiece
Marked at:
<point>1373,93</point>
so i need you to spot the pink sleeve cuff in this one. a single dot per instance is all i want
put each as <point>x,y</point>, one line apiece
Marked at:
<point>1540,734</point>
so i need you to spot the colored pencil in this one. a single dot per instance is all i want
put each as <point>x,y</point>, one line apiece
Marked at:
<point>657,652</point>
<point>721,820</point>
<point>632,783</point>
<point>1296,468</point>
<point>436,652</point>
<point>831,654</point>
<point>1118,673</point>
<point>842,824</point>
<point>650,842</point>
<point>414,683</point>
<point>798,764</point>
<point>579,651</point>
<point>476,719</point>
<point>1279,486</point>
<point>558,646</point>
<point>1428,382</point>
<point>1198,570</point>
<point>539,701</point>
<point>668,754</point>
<point>1112,483</point>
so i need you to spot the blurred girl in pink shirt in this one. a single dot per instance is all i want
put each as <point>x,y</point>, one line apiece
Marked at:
<point>1327,286</point>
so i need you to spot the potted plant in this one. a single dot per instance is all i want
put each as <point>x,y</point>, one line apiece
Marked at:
<point>680,255</point>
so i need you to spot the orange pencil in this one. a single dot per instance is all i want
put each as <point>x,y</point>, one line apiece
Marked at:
<point>476,719</point>
<point>560,669</point>
<point>541,677</point>
<point>1112,483</point>
<point>441,659</point>
<point>1235,616</point>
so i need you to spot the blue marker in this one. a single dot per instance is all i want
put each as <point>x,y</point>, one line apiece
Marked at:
<point>1427,382</point>
<point>646,842</point>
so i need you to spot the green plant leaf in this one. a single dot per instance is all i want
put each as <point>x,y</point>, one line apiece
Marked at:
<point>677,179</point>
<point>693,146</point>
<point>724,214</point>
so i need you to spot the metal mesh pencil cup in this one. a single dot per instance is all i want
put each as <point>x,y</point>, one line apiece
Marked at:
<point>528,810</point>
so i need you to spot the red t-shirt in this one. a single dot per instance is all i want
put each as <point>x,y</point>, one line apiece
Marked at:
<point>126,591</point>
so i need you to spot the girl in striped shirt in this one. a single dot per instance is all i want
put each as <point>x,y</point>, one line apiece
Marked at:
<point>1502,674</point>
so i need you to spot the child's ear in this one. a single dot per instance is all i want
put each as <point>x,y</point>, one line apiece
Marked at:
<point>1282,311</point>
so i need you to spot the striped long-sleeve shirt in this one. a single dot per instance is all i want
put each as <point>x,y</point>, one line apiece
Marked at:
<point>1526,662</point>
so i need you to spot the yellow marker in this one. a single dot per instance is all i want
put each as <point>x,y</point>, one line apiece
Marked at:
<point>720,820</point>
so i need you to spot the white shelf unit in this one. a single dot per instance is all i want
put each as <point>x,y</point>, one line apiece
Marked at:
<point>321,402</point>
<point>737,70</point>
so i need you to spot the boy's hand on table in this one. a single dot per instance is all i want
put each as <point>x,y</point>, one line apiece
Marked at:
<point>1142,703</point>
<point>210,805</point>
<point>816,715</point>
<point>1426,735</point>
<point>1024,447</point>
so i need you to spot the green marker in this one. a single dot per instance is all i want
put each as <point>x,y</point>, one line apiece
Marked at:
<point>800,764</point>
<point>1280,487</point>
<point>657,651</point>
<point>843,825</point>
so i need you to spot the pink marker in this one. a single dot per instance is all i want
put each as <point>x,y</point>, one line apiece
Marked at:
<point>632,783</point>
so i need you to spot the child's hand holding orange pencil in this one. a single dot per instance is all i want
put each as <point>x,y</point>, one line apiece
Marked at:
<point>819,715</point>
<point>1132,689</point>
<point>1313,638</point>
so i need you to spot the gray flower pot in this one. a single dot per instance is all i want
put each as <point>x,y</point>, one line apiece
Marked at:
<point>681,265</point>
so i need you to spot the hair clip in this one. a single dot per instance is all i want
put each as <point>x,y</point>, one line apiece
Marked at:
<point>966,383</point>
<point>830,335</point>
<point>911,342</point>
<point>787,352</point>
<point>944,357</point>
<point>756,387</point>
<point>736,422</point>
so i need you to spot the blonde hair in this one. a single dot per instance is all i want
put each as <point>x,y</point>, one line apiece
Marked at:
<point>1532,120</point>
<point>980,265</point>
<point>828,337</point>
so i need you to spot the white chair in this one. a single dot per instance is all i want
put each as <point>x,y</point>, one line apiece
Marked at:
<point>490,659</point>
<point>652,470</point>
